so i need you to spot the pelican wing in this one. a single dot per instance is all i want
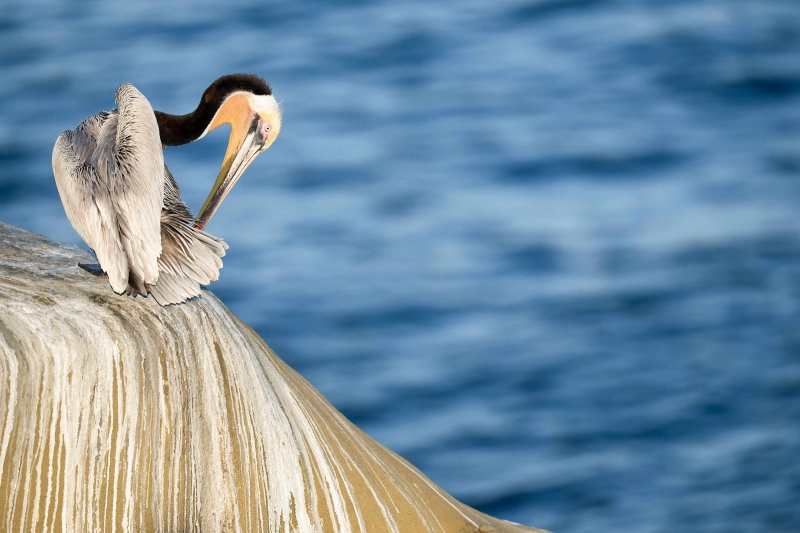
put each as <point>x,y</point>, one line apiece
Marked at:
<point>88,206</point>
<point>129,158</point>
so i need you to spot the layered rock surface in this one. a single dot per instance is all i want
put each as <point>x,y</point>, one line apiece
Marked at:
<point>120,415</point>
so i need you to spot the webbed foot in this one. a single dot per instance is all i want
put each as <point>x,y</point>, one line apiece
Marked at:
<point>92,268</point>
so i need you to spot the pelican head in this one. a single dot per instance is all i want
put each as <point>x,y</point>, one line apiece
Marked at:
<point>246,103</point>
<point>255,119</point>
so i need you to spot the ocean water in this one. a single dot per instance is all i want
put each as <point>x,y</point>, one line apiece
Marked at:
<point>546,250</point>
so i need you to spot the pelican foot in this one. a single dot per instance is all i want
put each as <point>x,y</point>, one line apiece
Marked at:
<point>92,268</point>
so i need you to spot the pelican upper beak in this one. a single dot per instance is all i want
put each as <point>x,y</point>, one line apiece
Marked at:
<point>252,133</point>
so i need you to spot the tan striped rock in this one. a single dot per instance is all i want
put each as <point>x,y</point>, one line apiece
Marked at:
<point>120,415</point>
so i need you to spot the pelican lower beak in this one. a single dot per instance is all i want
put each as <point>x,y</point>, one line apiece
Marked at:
<point>232,169</point>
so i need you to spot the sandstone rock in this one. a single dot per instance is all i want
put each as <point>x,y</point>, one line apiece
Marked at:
<point>120,415</point>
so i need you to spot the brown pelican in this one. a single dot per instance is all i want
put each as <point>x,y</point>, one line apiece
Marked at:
<point>123,201</point>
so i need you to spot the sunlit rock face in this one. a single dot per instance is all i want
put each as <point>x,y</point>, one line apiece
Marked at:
<point>120,415</point>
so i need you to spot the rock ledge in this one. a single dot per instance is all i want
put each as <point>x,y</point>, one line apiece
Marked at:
<point>120,415</point>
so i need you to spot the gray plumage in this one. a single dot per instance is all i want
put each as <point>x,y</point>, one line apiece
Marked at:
<point>124,203</point>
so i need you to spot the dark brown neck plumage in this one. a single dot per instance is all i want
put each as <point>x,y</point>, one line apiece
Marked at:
<point>183,129</point>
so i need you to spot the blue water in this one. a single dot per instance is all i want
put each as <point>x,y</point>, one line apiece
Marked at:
<point>546,250</point>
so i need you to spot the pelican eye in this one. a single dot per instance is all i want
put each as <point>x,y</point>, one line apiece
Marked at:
<point>267,127</point>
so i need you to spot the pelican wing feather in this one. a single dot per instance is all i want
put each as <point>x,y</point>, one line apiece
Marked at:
<point>130,155</point>
<point>190,257</point>
<point>110,176</point>
<point>89,208</point>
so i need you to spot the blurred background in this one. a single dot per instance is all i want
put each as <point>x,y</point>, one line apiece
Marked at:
<point>546,250</point>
